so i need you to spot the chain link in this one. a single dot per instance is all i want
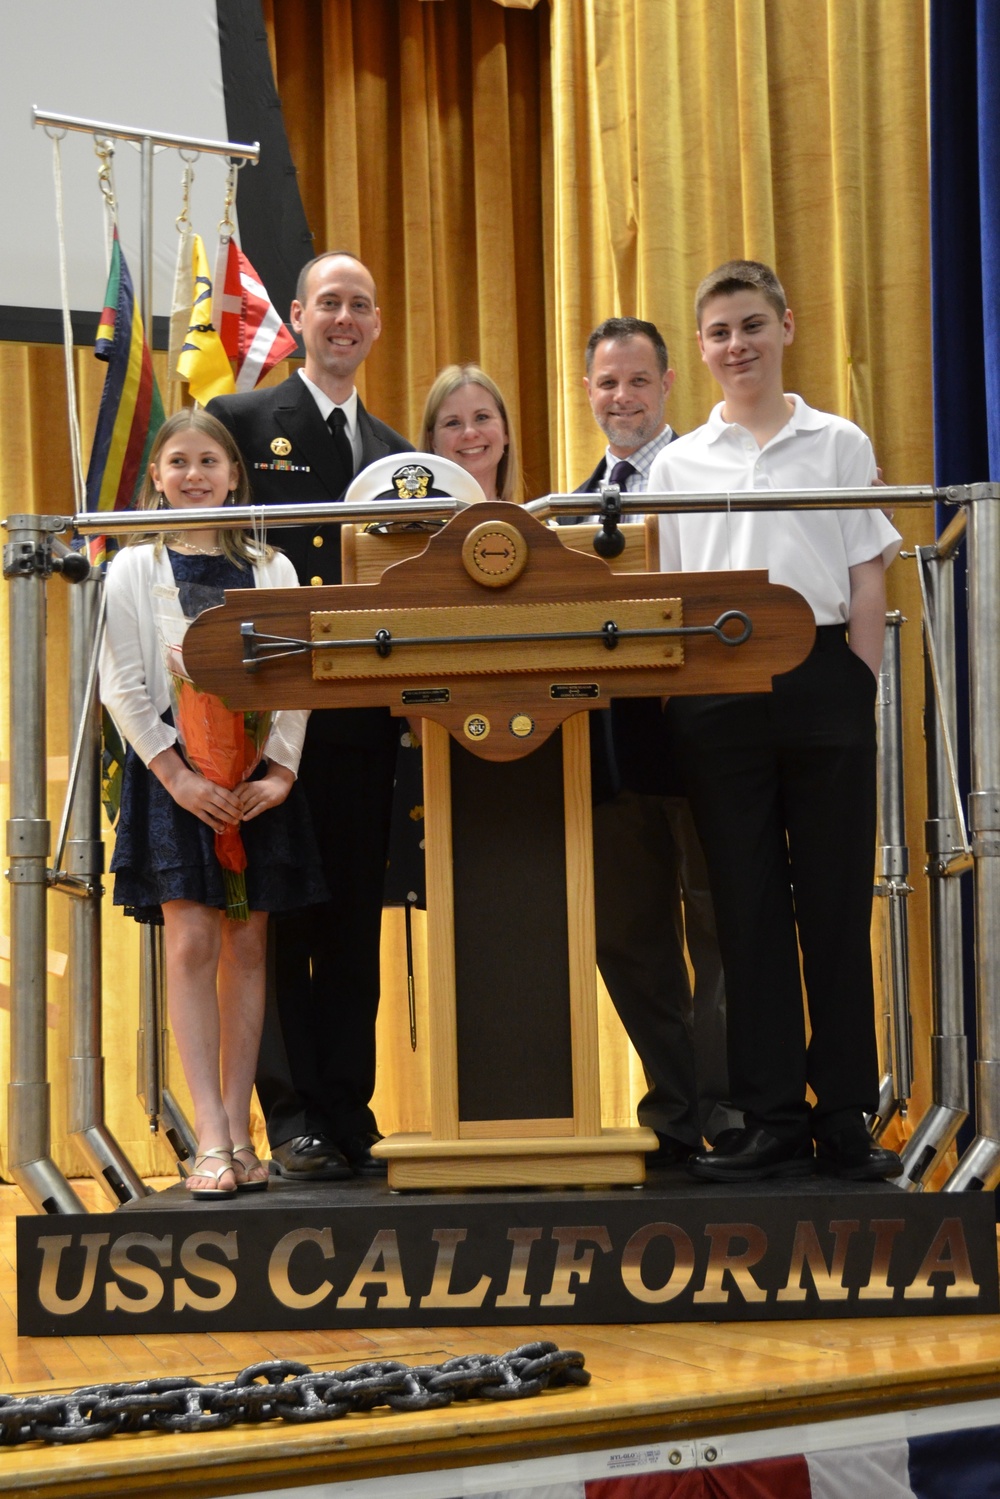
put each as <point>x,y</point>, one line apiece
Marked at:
<point>183,219</point>
<point>227,224</point>
<point>287,1391</point>
<point>104,150</point>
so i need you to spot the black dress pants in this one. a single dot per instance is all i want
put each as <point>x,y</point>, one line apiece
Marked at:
<point>646,853</point>
<point>316,1072</point>
<point>782,789</point>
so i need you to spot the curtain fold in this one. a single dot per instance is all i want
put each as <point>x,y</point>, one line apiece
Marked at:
<point>961,413</point>
<point>689,133</point>
<point>965,240</point>
<point>512,176</point>
<point>420,142</point>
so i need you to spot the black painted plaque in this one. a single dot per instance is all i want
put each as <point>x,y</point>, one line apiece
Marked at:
<point>353,1254</point>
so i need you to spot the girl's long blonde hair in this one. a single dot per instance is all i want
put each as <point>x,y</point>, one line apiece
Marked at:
<point>235,543</point>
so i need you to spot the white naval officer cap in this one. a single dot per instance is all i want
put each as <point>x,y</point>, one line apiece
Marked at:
<point>414,476</point>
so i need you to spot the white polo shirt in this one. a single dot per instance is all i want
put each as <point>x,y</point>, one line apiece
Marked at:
<point>808,550</point>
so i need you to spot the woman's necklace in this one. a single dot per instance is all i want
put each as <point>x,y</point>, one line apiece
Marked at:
<point>191,548</point>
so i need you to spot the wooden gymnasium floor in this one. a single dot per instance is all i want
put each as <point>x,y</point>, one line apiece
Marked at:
<point>649,1384</point>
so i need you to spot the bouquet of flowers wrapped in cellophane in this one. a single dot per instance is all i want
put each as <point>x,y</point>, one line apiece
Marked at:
<point>223,745</point>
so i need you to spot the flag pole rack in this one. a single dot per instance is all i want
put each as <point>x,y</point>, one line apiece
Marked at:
<point>29,556</point>
<point>147,141</point>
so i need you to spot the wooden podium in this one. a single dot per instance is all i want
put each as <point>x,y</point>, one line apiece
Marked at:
<point>502,639</point>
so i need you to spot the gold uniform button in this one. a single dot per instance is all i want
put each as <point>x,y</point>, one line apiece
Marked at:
<point>317,581</point>
<point>317,541</point>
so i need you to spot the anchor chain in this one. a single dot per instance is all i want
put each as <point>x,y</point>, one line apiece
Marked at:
<point>288,1391</point>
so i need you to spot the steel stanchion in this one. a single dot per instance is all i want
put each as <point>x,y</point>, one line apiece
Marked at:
<point>27,563</point>
<point>979,1167</point>
<point>948,856</point>
<point>152,1049</point>
<point>79,875</point>
<point>892,885</point>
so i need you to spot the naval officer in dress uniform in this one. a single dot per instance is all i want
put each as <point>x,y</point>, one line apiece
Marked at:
<point>303,441</point>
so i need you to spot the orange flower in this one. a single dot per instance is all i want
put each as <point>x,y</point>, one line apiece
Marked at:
<point>225,747</point>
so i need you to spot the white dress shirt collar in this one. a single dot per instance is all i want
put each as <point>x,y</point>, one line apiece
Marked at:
<point>348,407</point>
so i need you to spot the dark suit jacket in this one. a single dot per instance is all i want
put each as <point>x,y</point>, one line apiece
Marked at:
<point>593,484</point>
<point>305,468</point>
<point>291,460</point>
<point>628,748</point>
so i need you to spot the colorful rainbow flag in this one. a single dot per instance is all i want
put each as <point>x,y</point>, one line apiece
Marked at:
<point>131,410</point>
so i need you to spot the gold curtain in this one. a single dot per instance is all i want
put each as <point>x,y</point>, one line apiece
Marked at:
<point>419,132</point>
<point>690,132</point>
<point>791,131</point>
<point>512,176</point>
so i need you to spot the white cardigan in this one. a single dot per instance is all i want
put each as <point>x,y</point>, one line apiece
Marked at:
<point>139,585</point>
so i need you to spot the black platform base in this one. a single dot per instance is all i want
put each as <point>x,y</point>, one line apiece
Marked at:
<point>357,1255</point>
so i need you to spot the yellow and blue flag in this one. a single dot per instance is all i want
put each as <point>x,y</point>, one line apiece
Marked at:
<point>202,361</point>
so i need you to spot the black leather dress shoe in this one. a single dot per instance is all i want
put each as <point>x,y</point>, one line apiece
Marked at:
<point>310,1158</point>
<point>852,1155</point>
<point>725,1138</point>
<point>357,1150</point>
<point>669,1152</point>
<point>752,1154</point>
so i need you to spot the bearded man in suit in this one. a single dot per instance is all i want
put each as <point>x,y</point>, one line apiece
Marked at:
<point>646,850</point>
<point>303,441</point>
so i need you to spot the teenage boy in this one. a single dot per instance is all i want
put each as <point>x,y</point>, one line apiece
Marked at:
<point>782,784</point>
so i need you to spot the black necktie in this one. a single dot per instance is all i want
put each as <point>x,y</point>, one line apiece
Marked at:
<point>337,423</point>
<point>621,473</point>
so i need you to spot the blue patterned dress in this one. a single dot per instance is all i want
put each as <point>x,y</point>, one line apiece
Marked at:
<point>163,852</point>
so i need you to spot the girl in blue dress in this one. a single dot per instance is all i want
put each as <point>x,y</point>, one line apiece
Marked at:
<point>165,862</point>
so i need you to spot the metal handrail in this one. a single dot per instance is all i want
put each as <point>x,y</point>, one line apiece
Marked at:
<point>880,497</point>
<point>28,830</point>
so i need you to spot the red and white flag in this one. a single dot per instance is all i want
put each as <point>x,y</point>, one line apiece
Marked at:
<point>252,333</point>
<point>962,1464</point>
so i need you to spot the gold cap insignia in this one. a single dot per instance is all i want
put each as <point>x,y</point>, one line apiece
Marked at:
<point>411,481</point>
<point>281,447</point>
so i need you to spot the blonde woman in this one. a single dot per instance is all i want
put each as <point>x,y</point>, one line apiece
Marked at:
<point>465,419</point>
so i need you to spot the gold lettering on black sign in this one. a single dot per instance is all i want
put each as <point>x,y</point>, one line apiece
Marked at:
<point>877,1287</point>
<point>135,1273</point>
<point>571,1267</point>
<point>206,1269</point>
<point>440,1294</point>
<point>722,1262</point>
<point>380,1267</point>
<point>680,1274</point>
<point>277,1270</point>
<point>828,1280</point>
<point>52,1246</point>
<point>522,1239</point>
<point>951,1237</point>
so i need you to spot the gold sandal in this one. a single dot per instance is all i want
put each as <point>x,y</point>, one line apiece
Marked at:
<point>225,1159</point>
<point>248,1184</point>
